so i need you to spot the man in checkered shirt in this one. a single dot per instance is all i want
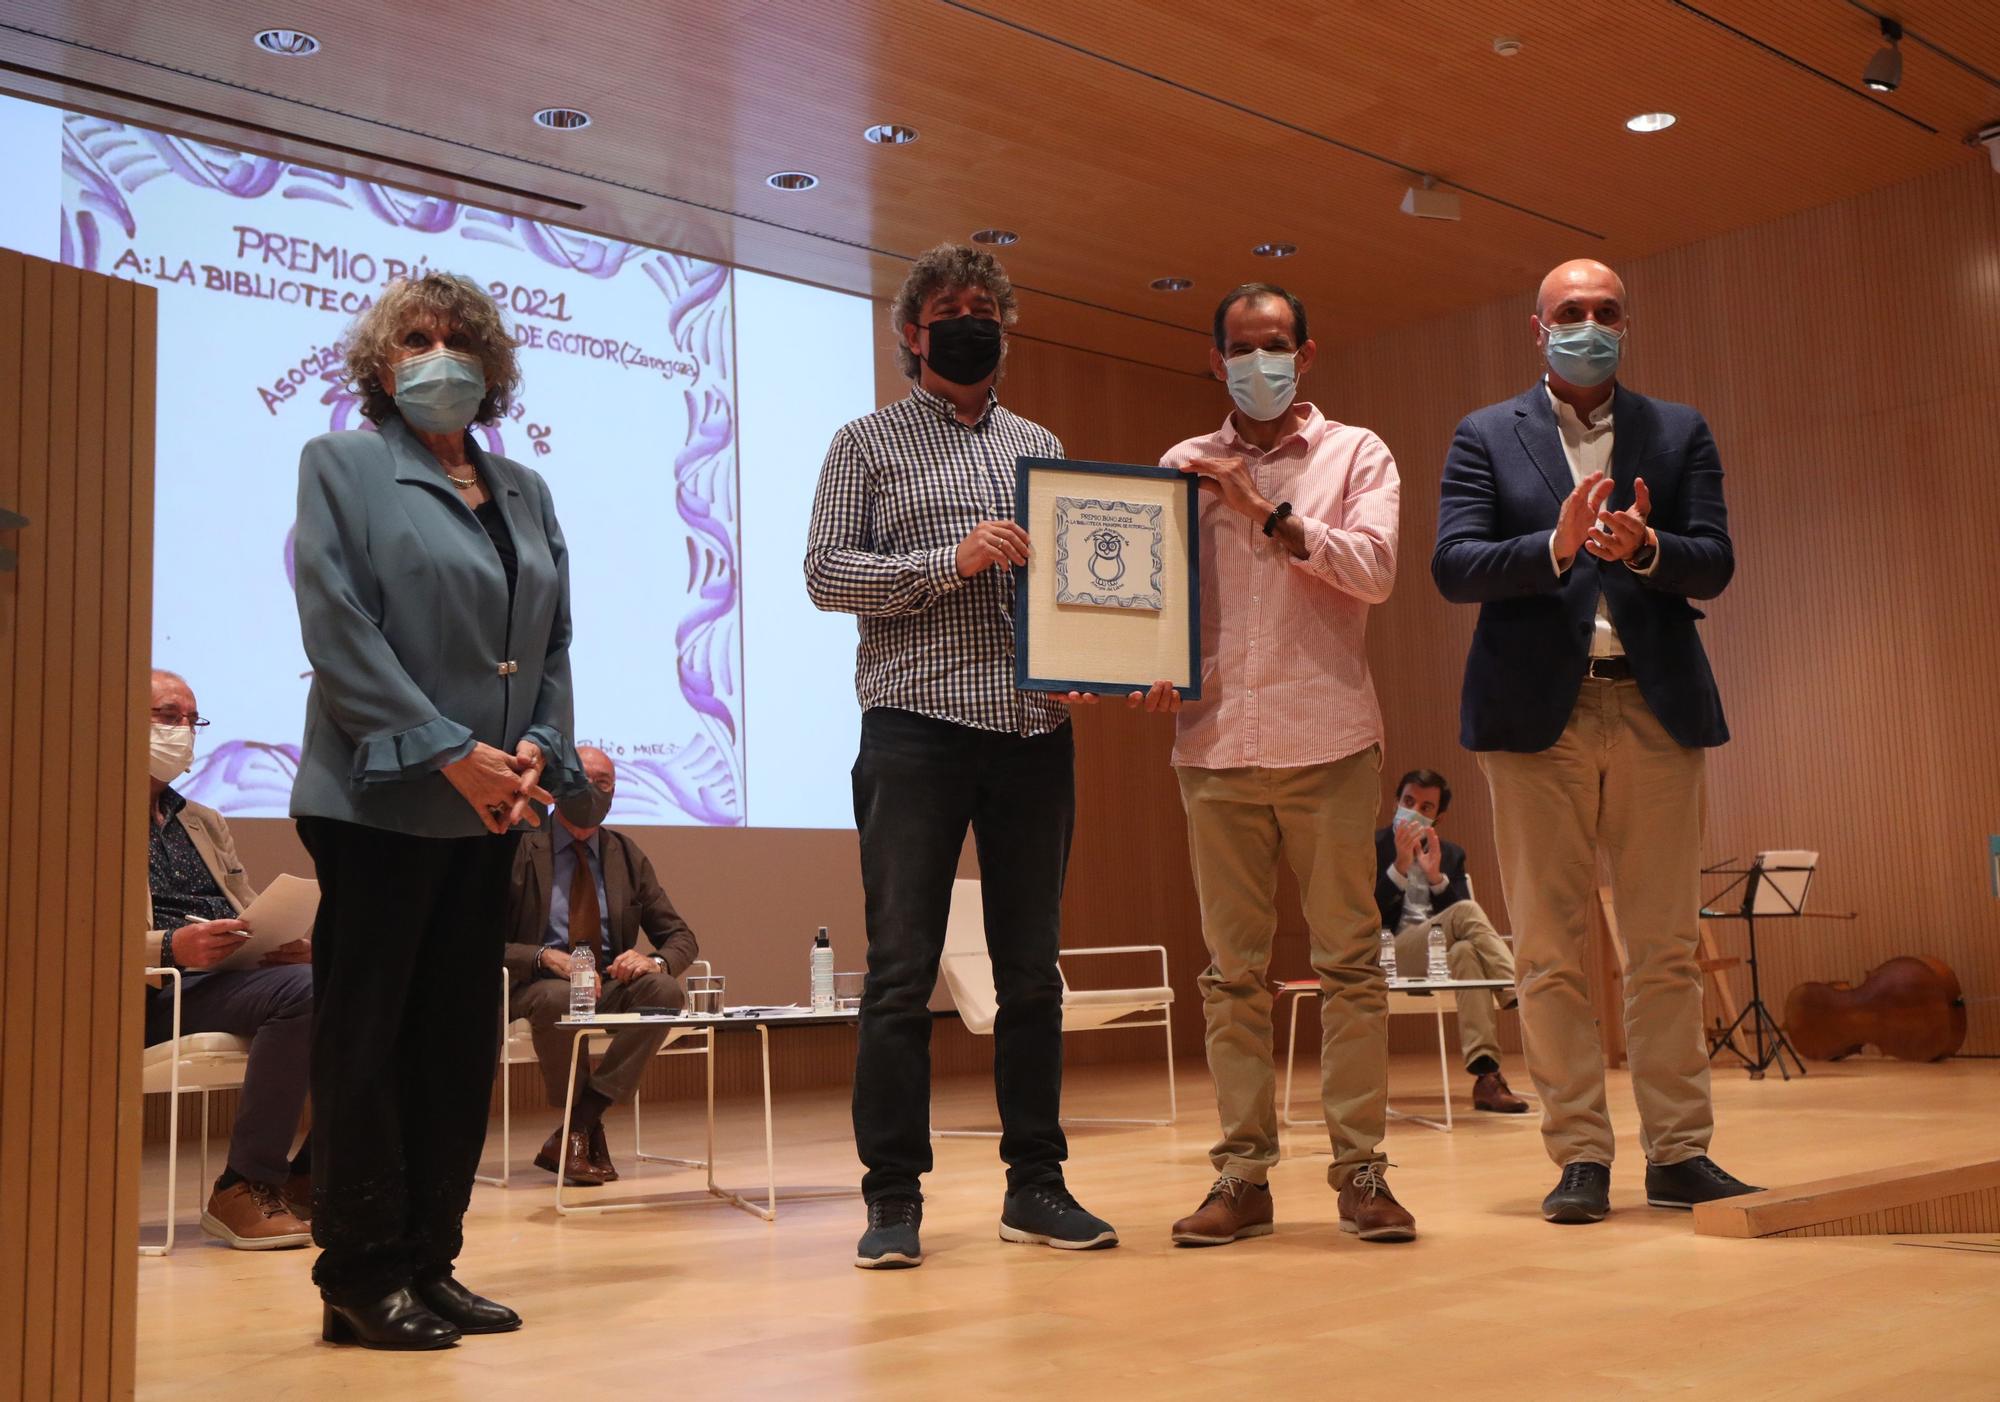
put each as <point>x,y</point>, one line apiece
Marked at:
<point>913,532</point>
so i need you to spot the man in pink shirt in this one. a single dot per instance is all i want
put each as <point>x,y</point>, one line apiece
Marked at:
<point>1282,755</point>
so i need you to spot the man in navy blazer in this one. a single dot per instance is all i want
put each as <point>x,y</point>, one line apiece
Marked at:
<point>1582,517</point>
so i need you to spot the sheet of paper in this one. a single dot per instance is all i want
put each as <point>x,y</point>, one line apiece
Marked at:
<point>283,913</point>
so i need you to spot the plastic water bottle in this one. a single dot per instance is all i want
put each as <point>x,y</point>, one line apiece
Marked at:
<point>1388,954</point>
<point>1439,970</point>
<point>822,973</point>
<point>582,983</point>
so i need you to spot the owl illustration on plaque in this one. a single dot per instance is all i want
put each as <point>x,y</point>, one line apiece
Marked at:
<point>1109,554</point>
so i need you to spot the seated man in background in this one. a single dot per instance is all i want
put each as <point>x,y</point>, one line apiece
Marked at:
<point>198,888</point>
<point>1420,885</point>
<point>589,886</point>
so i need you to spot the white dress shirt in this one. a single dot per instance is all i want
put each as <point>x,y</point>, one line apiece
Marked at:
<point>1587,448</point>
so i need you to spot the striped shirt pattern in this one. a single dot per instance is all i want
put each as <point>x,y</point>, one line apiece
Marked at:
<point>900,489</point>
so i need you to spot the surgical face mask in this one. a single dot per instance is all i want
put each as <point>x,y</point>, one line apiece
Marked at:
<point>170,752</point>
<point>1411,815</point>
<point>1263,382</point>
<point>1583,353</point>
<point>964,349</point>
<point>439,391</point>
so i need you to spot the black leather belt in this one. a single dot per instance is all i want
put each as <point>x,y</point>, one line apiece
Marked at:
<point>1609,669</point>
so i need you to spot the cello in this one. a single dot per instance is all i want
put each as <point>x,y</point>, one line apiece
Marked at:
<point>1911,1008</point>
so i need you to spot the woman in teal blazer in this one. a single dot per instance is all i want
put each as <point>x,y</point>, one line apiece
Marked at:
<point>433,596</point>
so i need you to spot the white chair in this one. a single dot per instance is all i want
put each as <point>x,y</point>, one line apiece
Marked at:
<point>200,1061</point>
<point>517,1047</point>
<point>968,973</point>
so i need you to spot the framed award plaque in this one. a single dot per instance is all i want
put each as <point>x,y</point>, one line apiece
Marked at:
<point>1110,599</point>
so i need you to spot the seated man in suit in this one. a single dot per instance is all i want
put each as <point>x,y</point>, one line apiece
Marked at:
<point>198,887</point>
<point>574,886</point>
<point>1420,885</point>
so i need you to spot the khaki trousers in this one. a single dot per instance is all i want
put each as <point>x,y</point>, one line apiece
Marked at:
<point>1475,950</point>
<point>1616,782</point>
<point>1321,819</point>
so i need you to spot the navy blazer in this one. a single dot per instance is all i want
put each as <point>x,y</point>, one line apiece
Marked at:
<point>417,649</point>
<point>1504,483</point>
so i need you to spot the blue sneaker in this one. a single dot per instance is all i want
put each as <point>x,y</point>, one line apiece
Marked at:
<point>891,1242</point>
<point>1044,1214</point>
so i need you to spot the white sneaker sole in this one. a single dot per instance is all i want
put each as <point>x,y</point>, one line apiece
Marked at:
<point>214,1228</point>
<point>888,1261</point>
<point>1191,1239</point>
<point>1015,1234</point>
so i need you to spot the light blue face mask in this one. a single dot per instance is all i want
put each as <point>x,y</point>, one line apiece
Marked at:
<point>1584,353</point>
<point>1263,382</point>
<point>1411,815</point>
<point>439,391</point>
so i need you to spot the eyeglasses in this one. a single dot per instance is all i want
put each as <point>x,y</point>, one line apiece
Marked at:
<point>166,716</point>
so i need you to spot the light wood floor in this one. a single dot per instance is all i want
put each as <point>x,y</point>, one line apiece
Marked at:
<point>1490,1302</point>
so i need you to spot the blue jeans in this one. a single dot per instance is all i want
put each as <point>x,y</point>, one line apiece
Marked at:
<point>918,784</point>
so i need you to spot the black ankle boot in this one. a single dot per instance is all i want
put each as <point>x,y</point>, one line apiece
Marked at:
<point>473,1314</point>
<point>399,1320</point>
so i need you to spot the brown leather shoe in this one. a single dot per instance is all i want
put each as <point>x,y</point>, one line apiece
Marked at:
<point>577,1170</point>
<point>1234,1208</point>
<point>1370,1211</point>
<point>298,1196</point>
<point>253,1217</point>
<point>600,1154</point>
<point>1491,1092</point>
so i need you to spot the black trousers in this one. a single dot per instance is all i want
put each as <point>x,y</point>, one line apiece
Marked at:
<point>406,970</point>
<point>917,784</point>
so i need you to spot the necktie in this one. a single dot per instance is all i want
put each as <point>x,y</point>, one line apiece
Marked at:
<point>586,921</point>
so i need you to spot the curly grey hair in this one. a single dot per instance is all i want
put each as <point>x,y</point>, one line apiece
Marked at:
<point>948,266</point>
<point>443,297</point>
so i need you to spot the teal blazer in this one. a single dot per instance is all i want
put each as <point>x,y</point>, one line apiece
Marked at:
<point>415,651</point>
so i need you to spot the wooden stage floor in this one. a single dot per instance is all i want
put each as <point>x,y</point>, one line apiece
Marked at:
<point>1490,1302</point>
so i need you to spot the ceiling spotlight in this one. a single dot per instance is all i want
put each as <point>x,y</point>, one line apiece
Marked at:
<point>1274,250</point>
<point>890,134</point>
<point>1885,71</point>
<point>1650,121</point>
<point>1171,284</point>
<point>1506,48</point>
<point>562,119</point>
<point>1426,201</point>
<point>999,238</point>
<point>791,180</point>
<point>286,43</point>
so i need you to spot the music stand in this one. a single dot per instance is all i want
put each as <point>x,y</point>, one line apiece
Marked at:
<point>1773,887</point>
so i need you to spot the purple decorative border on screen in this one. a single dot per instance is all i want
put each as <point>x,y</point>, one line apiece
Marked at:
<point>105,161</point>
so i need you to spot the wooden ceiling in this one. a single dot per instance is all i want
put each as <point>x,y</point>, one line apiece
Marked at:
<point>1123,141</point>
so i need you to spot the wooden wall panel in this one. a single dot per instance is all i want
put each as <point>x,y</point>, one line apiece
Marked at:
<point>76,410</point>
<point>1848,359</point>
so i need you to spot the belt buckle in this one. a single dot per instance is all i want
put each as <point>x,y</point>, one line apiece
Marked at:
<point>1604,676</point>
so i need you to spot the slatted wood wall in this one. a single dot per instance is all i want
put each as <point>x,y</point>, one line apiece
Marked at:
<point>1848,359</point>
<point>76,457</point>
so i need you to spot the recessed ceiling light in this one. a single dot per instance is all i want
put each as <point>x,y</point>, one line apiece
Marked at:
<point>562,119</point>
<point>1275,250</point>
<point>1171,284</point>
<point>890,134</point>
<point>1651,121</point>
<point>999,237</point>
<point>791,180</point>
<point>286,43</point>
<point>1506,48</point>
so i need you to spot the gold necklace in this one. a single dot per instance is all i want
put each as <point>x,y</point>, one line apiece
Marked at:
<point>465,482</point>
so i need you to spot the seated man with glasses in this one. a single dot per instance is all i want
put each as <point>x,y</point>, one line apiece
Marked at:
<point>578,883</point>
<point>198,887</point>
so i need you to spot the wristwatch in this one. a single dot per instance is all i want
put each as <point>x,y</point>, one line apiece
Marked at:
<point>1283,510</point>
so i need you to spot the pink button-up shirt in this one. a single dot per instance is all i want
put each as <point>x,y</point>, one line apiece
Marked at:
<point>1284,657</point>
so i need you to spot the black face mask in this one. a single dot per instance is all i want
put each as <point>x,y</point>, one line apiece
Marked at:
<point>586,808</point>
<point>965,349</point>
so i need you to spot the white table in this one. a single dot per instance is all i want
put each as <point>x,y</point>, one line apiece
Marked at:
<point>763,1019</point>
<point>1403,993</point>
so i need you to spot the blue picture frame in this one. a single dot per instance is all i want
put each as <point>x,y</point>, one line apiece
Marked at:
<point>1023,470</point>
